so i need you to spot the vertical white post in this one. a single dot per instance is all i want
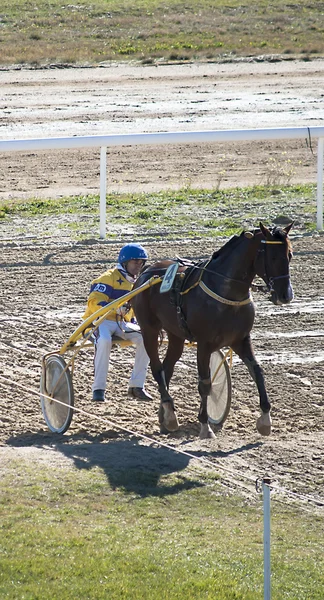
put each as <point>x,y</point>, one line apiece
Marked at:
<point>103,191</point>
<point>320,153</point>
<point>266,538</point>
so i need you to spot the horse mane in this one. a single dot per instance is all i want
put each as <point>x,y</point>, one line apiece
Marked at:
<point>277,234</point>
<point>228,246</point>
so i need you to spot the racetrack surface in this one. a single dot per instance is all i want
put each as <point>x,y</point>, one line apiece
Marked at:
<point>45,280</point>
<point>43,292</point>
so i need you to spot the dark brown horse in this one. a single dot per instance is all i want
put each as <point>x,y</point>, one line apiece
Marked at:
<point>213,307</point>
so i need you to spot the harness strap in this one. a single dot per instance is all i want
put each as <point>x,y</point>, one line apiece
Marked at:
<point>190,288</point>
<point>224,300</point>
<point>178,297</point>
<point>202,269</point>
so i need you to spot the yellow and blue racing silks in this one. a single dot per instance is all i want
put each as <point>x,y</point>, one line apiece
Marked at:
<point>110,286</point>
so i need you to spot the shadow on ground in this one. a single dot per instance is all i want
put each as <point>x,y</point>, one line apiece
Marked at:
<point>129,464</point>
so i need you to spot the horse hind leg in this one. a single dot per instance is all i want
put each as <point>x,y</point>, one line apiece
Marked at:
<point>172,355</point>
<point>204,386</point>
<point>206,431</point>
<point>264,424</point>
<point>167,418</point>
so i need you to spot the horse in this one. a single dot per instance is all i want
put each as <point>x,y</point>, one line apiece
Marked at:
<point>213,307</point>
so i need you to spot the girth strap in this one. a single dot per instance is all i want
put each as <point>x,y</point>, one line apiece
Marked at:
<point>178,292</point>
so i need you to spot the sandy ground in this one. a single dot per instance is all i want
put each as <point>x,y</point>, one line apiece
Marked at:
<point>44,283</point>
<point>119,99</point>
<point>42,293</point>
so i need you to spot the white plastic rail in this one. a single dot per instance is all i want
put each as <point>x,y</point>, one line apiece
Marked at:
<point>179,137</point>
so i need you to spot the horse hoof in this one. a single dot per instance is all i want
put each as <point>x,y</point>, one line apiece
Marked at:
<point>171,425</point>
<point>169,421</point>
<point>264,424</point>
<point>163,430</point>
<point>169,428</point>
<point>206,433</point>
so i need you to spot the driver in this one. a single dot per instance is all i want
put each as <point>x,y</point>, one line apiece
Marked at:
<point>111,285</point>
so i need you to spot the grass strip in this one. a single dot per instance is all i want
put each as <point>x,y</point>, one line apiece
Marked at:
<point>151,530</point>
<point>45,32</point>
<point>209,213</point>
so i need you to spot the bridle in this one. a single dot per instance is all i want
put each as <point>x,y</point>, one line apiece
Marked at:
<point>270,280</point>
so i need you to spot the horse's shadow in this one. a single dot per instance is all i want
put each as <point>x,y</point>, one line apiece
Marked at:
<point>128,464</point>
<point>225,453</point>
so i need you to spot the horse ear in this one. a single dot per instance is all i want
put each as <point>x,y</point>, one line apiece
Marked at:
<point>265,231</point>
<point>288,228</point>
<point>248,235</point>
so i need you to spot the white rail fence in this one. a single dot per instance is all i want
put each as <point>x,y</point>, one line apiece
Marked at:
<point>180,137</point>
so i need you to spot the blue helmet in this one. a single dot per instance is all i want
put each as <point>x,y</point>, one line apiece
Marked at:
<point>131,251</point>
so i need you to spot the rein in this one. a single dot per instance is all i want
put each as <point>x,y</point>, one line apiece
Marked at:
<point>210,292</point>
<point>198,267</point>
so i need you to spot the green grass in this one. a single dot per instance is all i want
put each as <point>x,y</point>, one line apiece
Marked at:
<point>95,532</point>
<point>210,213</point>
<point>43,32</point>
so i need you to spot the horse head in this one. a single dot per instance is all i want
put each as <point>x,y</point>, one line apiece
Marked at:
<point>272,262</point>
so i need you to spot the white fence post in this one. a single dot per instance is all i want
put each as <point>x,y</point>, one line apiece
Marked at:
<point>320,153</point>
<point>103,191</point>
<point>266,538</point>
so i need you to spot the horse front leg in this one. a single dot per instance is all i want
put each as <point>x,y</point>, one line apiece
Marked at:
<point>172,355</point>
<point>245,352</point>
<point>204,387</point>
<point>167,417</point>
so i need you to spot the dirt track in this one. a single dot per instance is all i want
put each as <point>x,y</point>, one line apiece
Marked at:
<point>44,285</point>
<point>135,99</point>
<point>42,293</point>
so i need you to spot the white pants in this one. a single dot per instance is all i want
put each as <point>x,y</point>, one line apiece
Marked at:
<point>103,345</point>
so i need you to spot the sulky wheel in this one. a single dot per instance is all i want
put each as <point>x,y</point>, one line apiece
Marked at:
<point>219,399</point>
<point>58,384</point>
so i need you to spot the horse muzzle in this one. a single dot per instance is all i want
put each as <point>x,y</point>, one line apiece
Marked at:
<point>279,297</point>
